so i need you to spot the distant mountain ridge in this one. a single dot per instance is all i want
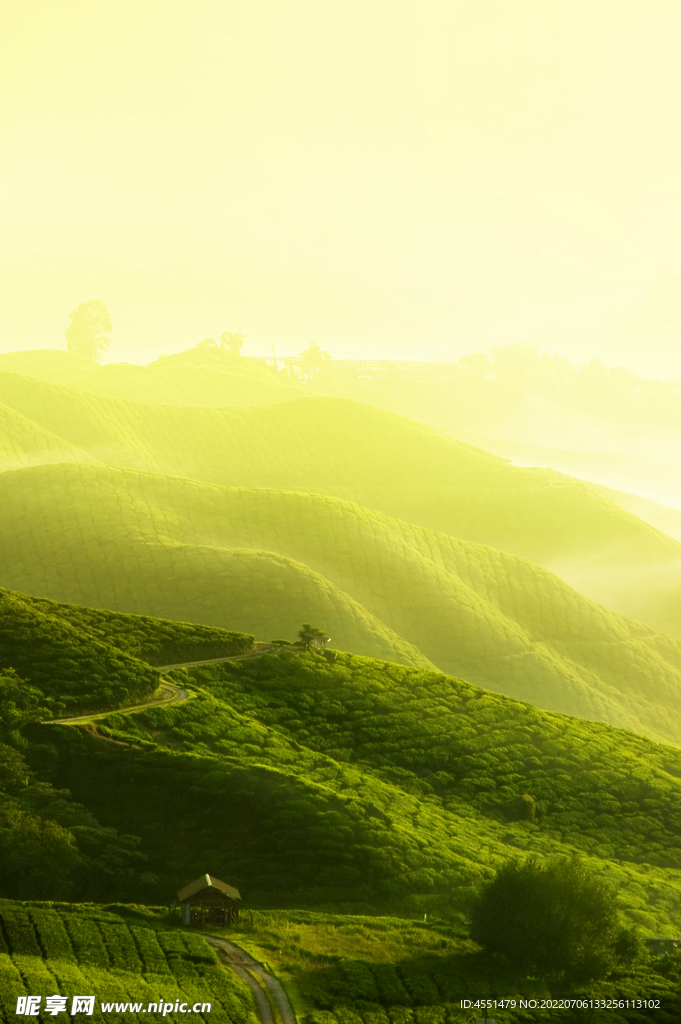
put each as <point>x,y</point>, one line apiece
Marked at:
<point>378,460</point>
<point>205,376</point>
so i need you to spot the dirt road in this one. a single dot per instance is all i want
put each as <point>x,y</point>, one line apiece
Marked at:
<point>268,992</point>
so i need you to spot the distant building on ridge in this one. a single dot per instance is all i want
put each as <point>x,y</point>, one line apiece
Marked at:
<point>315,641</point>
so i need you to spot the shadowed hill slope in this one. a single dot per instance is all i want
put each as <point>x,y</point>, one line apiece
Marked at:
<point>383,461</point>
<point>264,561</point>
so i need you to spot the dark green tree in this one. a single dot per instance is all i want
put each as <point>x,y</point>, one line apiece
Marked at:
<point>553,918</point>
<point>234,342</point>
<point>87,333</point>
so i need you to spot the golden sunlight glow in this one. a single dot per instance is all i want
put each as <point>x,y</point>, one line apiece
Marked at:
<point>388,178</point>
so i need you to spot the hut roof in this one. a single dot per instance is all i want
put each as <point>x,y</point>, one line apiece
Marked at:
<point>207,882</point>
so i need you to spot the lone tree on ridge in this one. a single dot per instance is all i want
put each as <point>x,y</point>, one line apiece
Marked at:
<point>234,342</point>
<point>313,358</point>
<point>86,335</point>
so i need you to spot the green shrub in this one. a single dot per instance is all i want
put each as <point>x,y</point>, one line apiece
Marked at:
<point>553,917</point>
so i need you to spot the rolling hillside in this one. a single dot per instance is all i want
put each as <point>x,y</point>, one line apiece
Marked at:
<point>24,443</point>
<point>84,660</point>
<point>265,561</point>
<point>383,784</point>
<point>352,785</point>
<point>385,462</point>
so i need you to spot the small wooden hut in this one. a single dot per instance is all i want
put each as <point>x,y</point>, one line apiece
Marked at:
<point>209,901</point>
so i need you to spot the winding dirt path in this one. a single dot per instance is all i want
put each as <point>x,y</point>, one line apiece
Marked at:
<point>255,652</point>
<point>252,972</point>
<point>168,693</point>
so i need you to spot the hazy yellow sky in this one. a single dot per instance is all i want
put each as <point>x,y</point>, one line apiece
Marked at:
<point>386,178</point>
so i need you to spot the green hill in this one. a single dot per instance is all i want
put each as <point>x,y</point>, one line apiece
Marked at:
<point>121,958</point>
<point>265,561</point>
<point>45,639</point>
<point>24,443</point>
<point>369,784</point>
<point>353,784</point>
<point>386,462</point>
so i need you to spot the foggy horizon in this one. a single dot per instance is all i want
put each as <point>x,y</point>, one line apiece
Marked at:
<point>389,181</point>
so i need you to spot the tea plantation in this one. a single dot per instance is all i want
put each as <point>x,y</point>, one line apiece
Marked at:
<point>347,785</point>
<point>120,957</point>
<point>505,682</point>
<point>351,969</point>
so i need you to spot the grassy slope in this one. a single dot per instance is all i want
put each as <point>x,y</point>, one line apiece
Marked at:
<point>24,443</point>
<point>386,462</point>
<point>370,784</point>
<point>55,365</point>
<point>155,546</point>
<point>48,949</point>
<point>359,784</point>
<point>264,561</point>
<point>82,664</point>
<point>352,969</point>
<point>67,663</point>
<point>144,638</point>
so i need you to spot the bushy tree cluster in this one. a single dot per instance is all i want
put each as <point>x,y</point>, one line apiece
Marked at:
<point>554,918</point>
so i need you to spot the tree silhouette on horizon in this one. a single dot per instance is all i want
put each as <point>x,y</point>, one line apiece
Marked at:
<point>86,335</point>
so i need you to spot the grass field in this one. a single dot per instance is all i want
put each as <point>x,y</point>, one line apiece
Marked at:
<point>354,969</point>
